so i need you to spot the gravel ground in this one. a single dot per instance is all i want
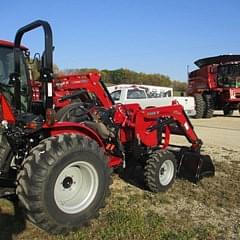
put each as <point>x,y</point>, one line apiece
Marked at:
<point>218,131</point>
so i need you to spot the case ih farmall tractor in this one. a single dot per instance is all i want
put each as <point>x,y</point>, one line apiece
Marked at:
<point>59,165</point>
<point>215,85</point>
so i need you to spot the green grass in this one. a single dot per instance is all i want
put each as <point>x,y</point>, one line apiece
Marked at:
<point>125,219</point>
<point>207,211</point>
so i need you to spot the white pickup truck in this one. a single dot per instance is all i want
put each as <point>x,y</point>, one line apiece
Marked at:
<point>148,96</point>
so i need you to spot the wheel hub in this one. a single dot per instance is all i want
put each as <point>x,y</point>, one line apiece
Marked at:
<point>162,170</point>
<point>76,187</point>
<point>67,182</point>
<point>166,172</point>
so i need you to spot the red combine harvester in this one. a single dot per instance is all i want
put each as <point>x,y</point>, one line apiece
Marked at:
<point>62,136</point>
<point>215,85</point>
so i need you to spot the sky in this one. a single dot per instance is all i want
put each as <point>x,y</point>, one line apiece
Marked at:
<point>151,36</point>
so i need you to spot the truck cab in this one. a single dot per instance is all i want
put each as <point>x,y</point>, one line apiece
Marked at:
<point>150,96</point>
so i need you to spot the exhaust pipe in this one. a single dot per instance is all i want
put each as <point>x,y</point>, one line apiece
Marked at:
<point>194,166</point>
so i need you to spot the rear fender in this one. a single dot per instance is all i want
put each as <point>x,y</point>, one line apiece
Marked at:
<point>76,128</point>
<point>81,129</point>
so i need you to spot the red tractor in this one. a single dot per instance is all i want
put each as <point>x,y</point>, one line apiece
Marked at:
<point>62,136</point>
<point>215,85</point>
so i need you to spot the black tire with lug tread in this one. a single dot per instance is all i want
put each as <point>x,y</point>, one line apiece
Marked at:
<point>209,106</point>
<point>227,112</point>
<point>64,114</point>
<point>64,163</point>
<point>200,105</point>
<point>5,152</point>
<point>160,171</point>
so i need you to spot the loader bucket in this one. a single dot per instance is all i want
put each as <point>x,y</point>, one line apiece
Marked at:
<point>194,166</point>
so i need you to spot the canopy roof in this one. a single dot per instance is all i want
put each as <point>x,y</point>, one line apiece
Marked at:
<point>217,60</point>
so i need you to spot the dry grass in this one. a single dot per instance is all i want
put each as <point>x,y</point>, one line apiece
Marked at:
<point>209,210</point>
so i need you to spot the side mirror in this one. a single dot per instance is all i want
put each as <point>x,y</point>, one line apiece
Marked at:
<point>27,55</point>
<point>34,66</point>
<point>37,61</point>
<point>12,78</point>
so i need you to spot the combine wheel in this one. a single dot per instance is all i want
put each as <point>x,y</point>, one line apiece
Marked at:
<point>160,171</point>
<point>227,112</point>
<point>209,106</point>
<point>64,183</point>
<point>200,105</point>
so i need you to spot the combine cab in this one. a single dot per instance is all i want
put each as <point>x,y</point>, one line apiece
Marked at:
<point>215,85</point>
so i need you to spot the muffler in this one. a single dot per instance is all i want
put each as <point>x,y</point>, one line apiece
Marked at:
<point>194,166</point>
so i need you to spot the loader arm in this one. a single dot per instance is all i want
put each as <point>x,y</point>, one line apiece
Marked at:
<point>157,118</point>
<point>90,82</point>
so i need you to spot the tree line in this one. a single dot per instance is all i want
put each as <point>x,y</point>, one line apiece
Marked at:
<point>120,76</point>
<point>123,76</point>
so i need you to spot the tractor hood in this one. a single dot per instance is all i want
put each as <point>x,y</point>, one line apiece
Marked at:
<point>217,60</point>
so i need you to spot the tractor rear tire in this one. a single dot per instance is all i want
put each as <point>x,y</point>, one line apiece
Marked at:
<point>63,183</point>
<point>160,171</point>
<point>5,152</point>
<point>209,106</point>
<point>200,105</point>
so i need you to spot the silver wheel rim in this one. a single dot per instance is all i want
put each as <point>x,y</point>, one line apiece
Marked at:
<point>76,187</point>
<point>166,172</point>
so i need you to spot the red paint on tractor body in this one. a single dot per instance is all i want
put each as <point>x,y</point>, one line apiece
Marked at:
<point>6,110</point>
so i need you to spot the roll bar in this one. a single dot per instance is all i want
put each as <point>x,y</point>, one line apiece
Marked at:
<point>46,73</point>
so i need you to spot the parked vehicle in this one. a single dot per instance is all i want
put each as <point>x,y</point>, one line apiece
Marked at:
<point>151,90</point>
<point>215,85</point>
<point>147,96</point>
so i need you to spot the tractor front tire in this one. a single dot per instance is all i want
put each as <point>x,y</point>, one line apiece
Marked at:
<point>74,112</point>
<point>200,105</point>
<point>63,183</point>
<point>160,171</point>
<point>209,106</point>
